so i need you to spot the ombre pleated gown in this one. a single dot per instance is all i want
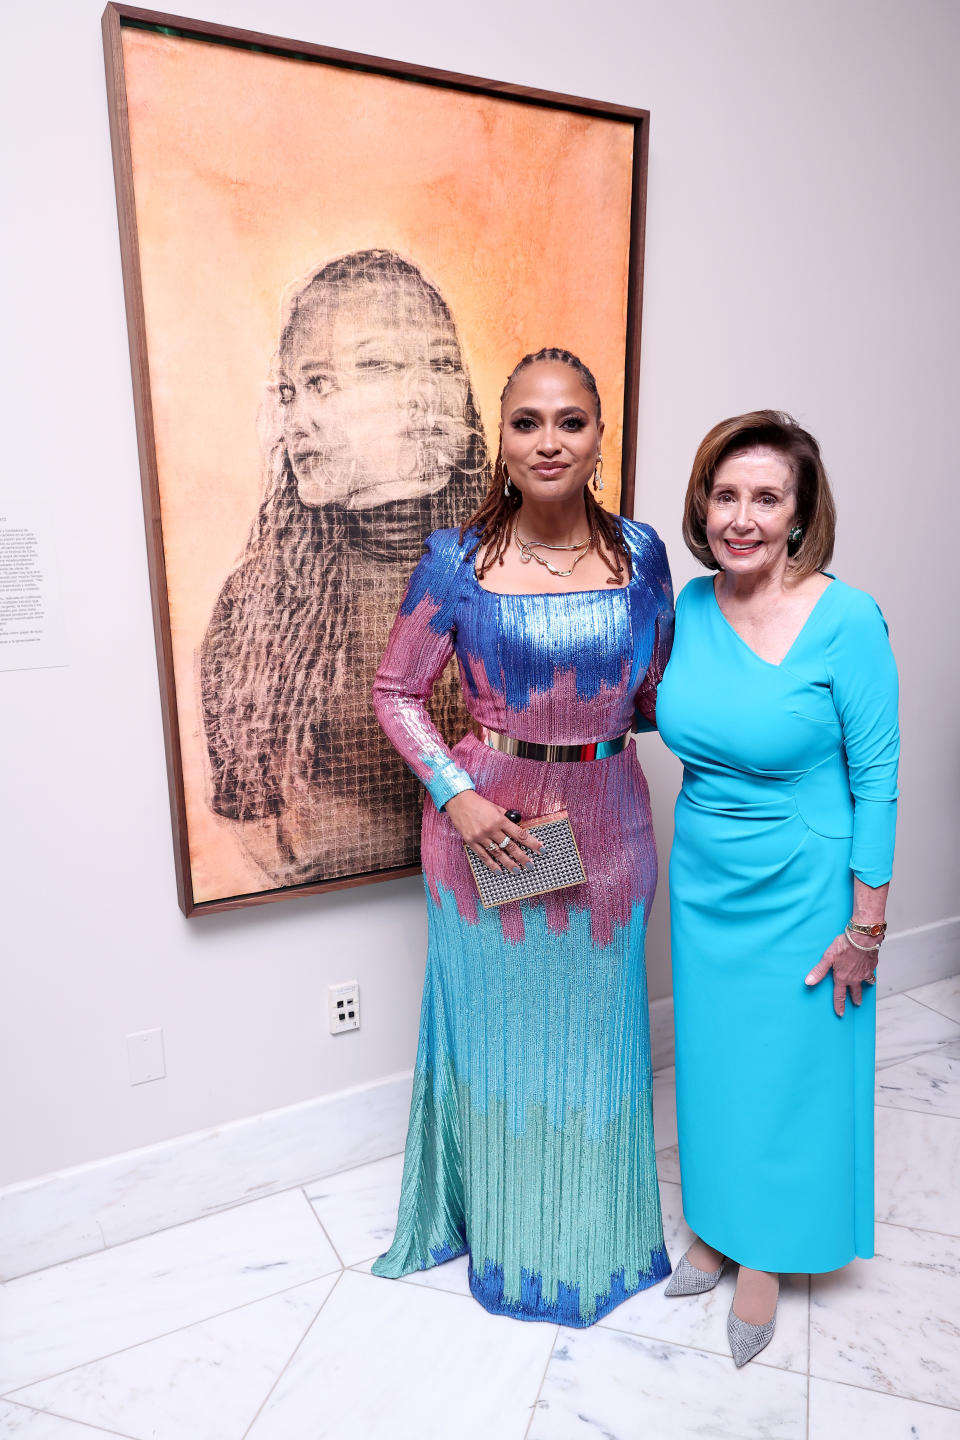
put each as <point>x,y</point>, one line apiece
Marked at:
<point>530,1145</point>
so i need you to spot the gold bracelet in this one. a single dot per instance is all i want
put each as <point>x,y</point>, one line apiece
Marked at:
<point>875,928</point>
<point>864,949</point>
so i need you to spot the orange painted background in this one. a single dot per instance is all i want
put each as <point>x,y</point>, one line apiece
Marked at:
<point>250,172</point>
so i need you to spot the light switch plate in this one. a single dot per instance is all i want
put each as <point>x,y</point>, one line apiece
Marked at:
<point>145,1056</point>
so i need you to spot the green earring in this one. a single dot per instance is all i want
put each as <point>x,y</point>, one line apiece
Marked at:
<point>795,535</point>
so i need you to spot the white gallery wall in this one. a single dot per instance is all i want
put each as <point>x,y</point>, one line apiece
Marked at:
<point>801,253</point>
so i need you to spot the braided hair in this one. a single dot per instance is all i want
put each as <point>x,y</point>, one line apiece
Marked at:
<point>496,515</point>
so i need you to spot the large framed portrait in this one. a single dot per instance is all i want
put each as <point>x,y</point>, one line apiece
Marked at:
<point>331,263</point>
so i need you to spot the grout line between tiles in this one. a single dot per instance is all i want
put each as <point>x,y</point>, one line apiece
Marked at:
<point>932,1008</point>
<point>293,1352</point>
<point>355,1264</point>
<point>908,1110</point>
<point>891,1394</point>
<point>882,1065</point>
<point>326,1233</point>
<point>165,1334</point>
<point>536,1398</point>
<point>194,1219</point>
<point>436,1289</point>
<point>409,1280</point>
<point>706,1349</point>
<point>923,1229</point>
<point>95,1429</point>
<point>918,1055</point>
<point>809,1299</point>
<point>161,1230</point>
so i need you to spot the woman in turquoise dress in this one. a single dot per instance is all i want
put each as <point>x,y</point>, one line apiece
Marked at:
<point>781,700</point>
<point>530,1144</point>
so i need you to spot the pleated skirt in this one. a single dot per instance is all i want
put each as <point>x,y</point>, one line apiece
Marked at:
<point>530,1145</point>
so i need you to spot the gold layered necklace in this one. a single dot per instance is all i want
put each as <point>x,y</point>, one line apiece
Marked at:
<point>528,551</point>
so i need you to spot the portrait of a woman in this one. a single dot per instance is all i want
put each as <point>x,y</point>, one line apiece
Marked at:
<point>372,440</point>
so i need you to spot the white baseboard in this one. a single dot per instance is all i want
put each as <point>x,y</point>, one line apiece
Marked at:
<point>91,1207</point>
<point>910,958</point>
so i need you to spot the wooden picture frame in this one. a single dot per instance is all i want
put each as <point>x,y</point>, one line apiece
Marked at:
<point>228,190</point>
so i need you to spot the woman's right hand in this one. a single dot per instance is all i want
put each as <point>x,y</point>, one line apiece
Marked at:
<point>853,966</point>
<point>482,825</point>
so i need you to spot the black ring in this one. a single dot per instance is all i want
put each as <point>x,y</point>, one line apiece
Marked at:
<point>514,815</point>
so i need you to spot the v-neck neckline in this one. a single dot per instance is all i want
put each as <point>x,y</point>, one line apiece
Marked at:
<point>773,664</point>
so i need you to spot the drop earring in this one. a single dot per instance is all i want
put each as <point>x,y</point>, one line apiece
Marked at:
<point>506,480</point>
<point>598,474</point>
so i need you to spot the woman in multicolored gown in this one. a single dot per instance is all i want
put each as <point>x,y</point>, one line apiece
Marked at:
<point>530,1145</point>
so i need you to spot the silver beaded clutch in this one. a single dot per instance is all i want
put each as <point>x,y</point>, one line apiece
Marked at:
<point>555,867</point>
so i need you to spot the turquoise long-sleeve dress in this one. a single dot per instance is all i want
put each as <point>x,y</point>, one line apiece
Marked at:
<point>789,791</point>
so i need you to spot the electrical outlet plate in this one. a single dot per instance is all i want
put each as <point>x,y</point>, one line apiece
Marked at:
<point>343,1003</point>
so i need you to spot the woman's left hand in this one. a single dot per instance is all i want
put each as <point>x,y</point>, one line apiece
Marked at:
<point>850,966</point>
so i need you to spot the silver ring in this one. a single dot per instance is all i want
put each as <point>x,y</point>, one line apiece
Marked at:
<point>870,979</point>
<point>492,845</point>
<point>504,843</point>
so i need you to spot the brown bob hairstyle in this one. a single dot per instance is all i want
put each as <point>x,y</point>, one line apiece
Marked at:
<point>766,430</point>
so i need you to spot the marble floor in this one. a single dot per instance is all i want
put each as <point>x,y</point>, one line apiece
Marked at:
<point>263,1321</point>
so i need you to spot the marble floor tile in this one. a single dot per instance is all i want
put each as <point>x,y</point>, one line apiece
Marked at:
<point>604,1385</point>
<point>839,1411</point>
<point>665,1107</point>
<point>929,1083</point>
<point>701,1321</point>
<point>918,1170</point>
<point>451,1277</point>
<point>892,1323</point>
<point>84,1309</point>
<point>906,1028</point>
<point>668,1164</point>
<point>942,995</point>
<point>390,1361</point>
<point>358,1208</point>
<point>20,1424</point>
<point>210,1378</point>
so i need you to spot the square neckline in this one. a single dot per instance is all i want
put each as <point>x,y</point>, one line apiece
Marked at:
<point>539,594</point>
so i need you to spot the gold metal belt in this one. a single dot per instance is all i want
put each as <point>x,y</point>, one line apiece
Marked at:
<point>531,750</point>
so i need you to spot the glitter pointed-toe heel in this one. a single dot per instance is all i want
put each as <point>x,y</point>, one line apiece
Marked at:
<point>688,1280</point>
<point>748,1340</point>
